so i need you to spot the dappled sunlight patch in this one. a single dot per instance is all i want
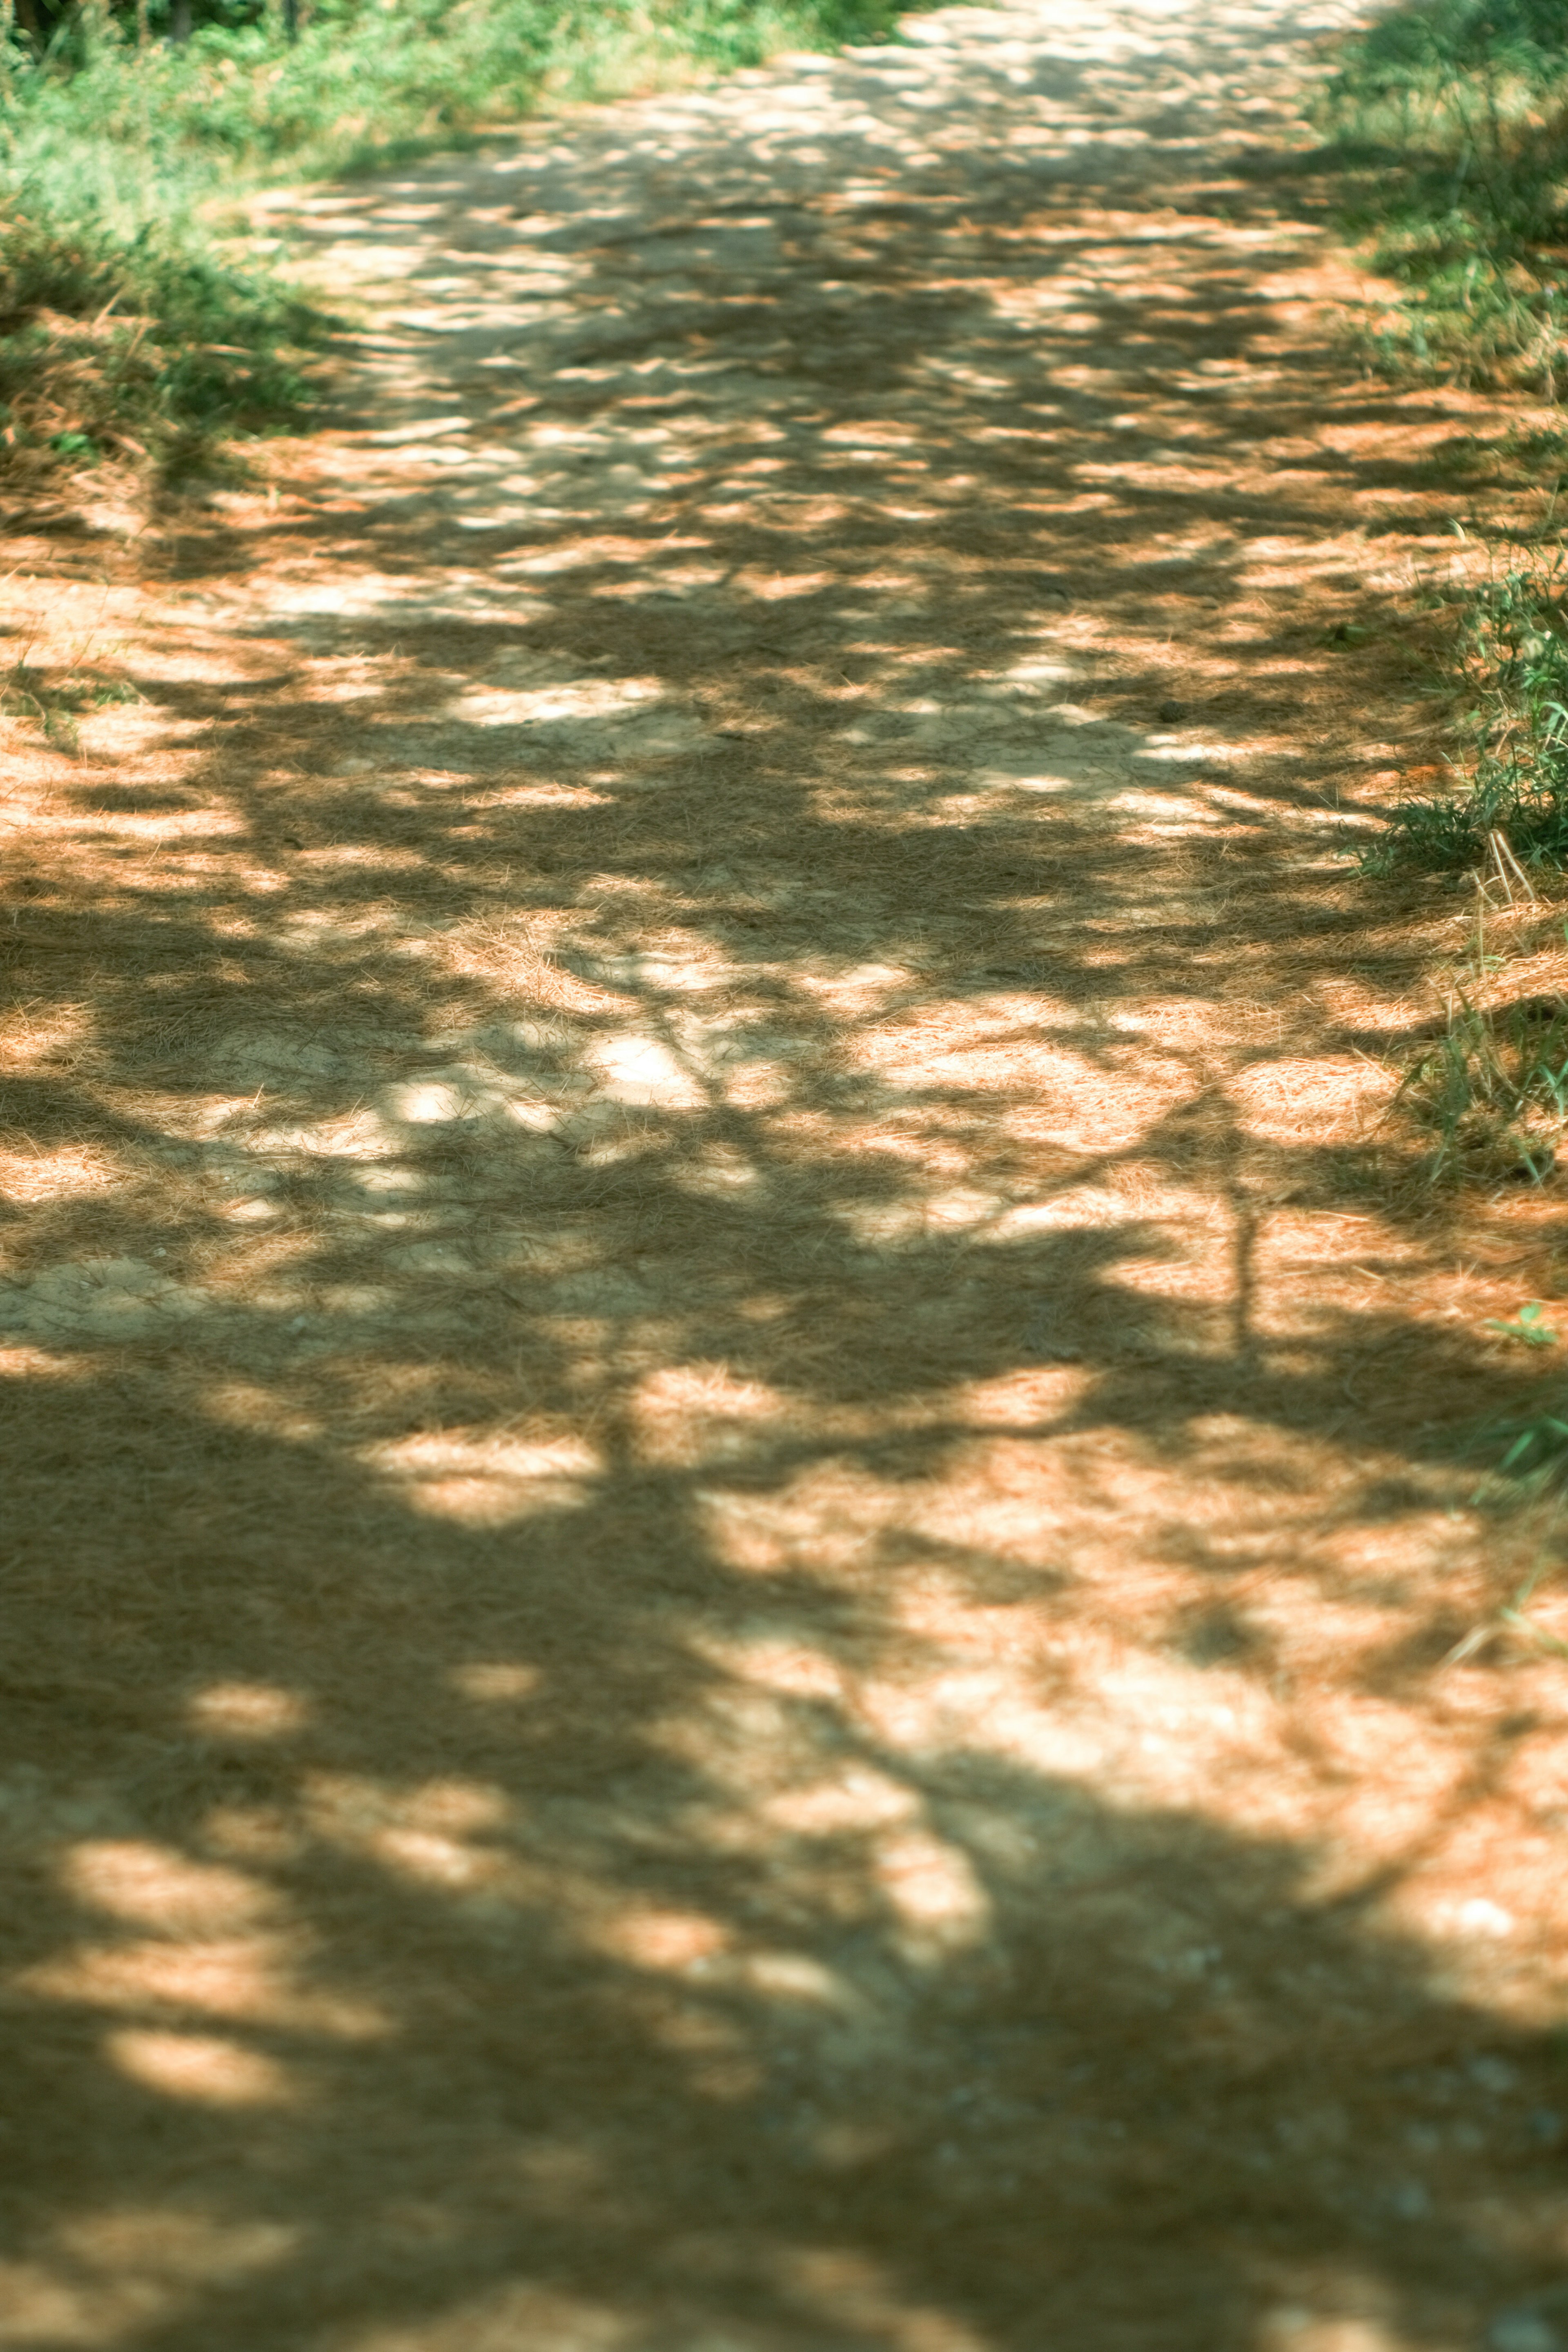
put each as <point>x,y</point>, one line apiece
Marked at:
<point>1045,780</point>
<point>488,1481</point>
<point>664,1940</point>
<point>800,1668</point>
<point>261,1835</point>
<point>597,697</point>
<point>1280,1101</point>
<point>201,2068</point>
<point>468,1093</point>
<point>161,2241</point>
<point>641,1070</point>
<point>858,989</point>
<point>249,1710</point>
<point>895,1223</point>
<point>856,1800</point>
<point>1164,812</point>
<point>1506,1950</point>
<point>720,1172</point>
<point>157,1887</point>
<point>110,2275</point>
<point>431,1860</point>
<point>356,1135</point>
<point>985,1713</point>
<point>496,1683</point>
<point>824,1520</point>
<point>841,2289</point>
<point>517,2312</point>
<point>1299,2328</point>
<point>794,1981</point>
<point>1027,1399</point>
<point>449,1838</point>
<point>258,1981</point>
<point>64,1174</point>
<point>64,1031</point>
<point>38,1363</point>
<point>936,1896</point>
<point>455,1808</point>
<point>696,1413</point>
<point>1101,1096</point>
<point>775,587</point>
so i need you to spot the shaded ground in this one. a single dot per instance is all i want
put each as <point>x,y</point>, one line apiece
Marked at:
<point>734,1549</point>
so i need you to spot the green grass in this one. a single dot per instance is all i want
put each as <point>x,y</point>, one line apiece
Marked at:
<point>127,329</point>
<point>1453,118</point>
<point>1509,683</point>
<point>1531,1444</point>
<point>1490,1093</point>
<point>55,703</point>
<point>142,346</point>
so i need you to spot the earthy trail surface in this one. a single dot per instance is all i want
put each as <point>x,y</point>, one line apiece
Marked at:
<point>738,1592</point>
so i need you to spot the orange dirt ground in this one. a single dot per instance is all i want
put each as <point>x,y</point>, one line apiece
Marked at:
<point>739,1574</point>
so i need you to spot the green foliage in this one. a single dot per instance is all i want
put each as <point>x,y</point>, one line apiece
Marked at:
<point>55,702</point>
<point>1510,676</point>
<point>1527,1327</point>
<point>1491,1093</point>
<point>1457,111</point>
<point>1532,1444</point>
<point>139,345</point>
<point>124,329</point>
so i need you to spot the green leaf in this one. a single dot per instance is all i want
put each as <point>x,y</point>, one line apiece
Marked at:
<point>1526,1327</point>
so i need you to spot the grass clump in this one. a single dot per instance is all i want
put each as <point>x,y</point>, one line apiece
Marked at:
<point>141,347</point>
<point>1456,113</point>
<point>1490,1092</point>
<point>1510,676</point>
<point>55,703</point>
<point>1532,1444</point>
<point>1451,117</point>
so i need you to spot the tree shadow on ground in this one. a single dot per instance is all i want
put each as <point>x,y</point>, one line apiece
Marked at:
<point>703,1521</point>
<point>559,1932</point>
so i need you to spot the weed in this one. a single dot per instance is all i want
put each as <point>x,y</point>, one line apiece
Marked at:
<point>1534,1443</point>
<point>142,349</point>
<point>1509,675</point>
<point>1512,1617</point>
<point>56,705</point>
<point>1491,1093</point>
<point>1526,1327</point>
<point>1535,450</point>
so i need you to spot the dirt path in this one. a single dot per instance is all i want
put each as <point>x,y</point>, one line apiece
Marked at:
<point>731,1477</point>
